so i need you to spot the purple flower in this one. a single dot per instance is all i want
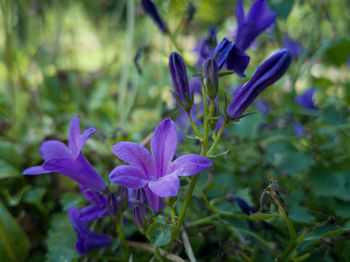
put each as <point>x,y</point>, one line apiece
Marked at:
<point>267,73</point>
<point>211,78</point>
<point>157,174</point>
<point>348,61</point>
<point>178,74</point>
<point>150,8</point>
<point>69,161</point>
<point>230,55</point>
<point>294,47</point>
<point>259,18</point>
<point>139,211</point>
<point>299,130</point>
<point>263,107</point>
<point>306,99</point>
<point>87,239</point>
<point>205,46</point>
<point>97,209</point>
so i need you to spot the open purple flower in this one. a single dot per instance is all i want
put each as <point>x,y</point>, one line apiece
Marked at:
<point>156,173</point>
<point>230,55</point>
<point>306,99</point>
<point>87,239</point>
<point>69,161</point>
<point>258,19</point>
<point>272,69</point>
<point>97,209</point>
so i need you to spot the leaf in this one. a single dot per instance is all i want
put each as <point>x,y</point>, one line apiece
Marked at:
<point>10,160</point>
<point>247,127</point>
<point>338,53</point>
<point>330,183</point>
<point>61,240</point>
<point>14,244</point>
<point>299,213</point>
<point>160,234</point>
<point>282,8</point>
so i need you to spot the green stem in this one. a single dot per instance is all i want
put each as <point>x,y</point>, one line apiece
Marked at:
<point>194,127</point>
<point>205,119</point>
<point>130,22</point>
<point>172,215</point>
<point>216,141</point>
<point>293,242</point>
<point>122,237</point>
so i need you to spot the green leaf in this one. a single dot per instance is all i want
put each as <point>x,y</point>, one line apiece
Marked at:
<point>61,240</point>
<point>330,183</point>
<point>14,244</point>
<point>339,52</point>
<point>10,160</point>
<point>247,127</point>
<point>299,213</point>
<point>282,8</point>
<point>160,234</point>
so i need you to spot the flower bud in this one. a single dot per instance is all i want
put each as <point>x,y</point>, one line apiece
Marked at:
<point>112,204</point>
<point>267,73</point>
<point>139,211</point>
<point>211,79</point>
<point>178,74</point>
<point>124,198</point>
<point>150,8</point>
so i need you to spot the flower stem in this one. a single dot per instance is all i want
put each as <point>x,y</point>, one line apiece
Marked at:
<point>216,141</point>
<point>195,129</point>
<point>122,237</point>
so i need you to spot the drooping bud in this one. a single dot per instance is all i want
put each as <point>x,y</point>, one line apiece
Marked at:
<point>211,79</point>
<point>139,211</point>
<point>150,8</point>
<point>272,69</point>
<point>112,204</point>
<point>178,74</point>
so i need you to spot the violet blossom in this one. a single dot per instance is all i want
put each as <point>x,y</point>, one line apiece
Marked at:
<point>298,130</point>
<point>87,239</point>
<point>258,19</point>
<point>205,46</point>
<point>306,100</point>
<point>150,8</point>
<point>157,174</point>
<point>272,69</point>
<point>69,161</point>
<point>230,55</point>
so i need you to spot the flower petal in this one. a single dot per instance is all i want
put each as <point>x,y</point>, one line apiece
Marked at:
<point>74,136</point>
<point>35,170</point>
<point>92,212</point>
<point>96,240</point>
<point>128,176</point>
<point>155,202</point>
<point>240,13</point>
<point>166,186</point>
<point>54,149</point>
<point>135,155</point>
<point>79,170</point>
<point>189,165</point>
<point>163,145</point>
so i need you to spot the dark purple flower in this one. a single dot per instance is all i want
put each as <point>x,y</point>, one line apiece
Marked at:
<point>87,239</point>
<point>259,18</point>
<point>299,130</point>
<point>112,204</point>
<point>230,55</point>
<point>267,73</point>
<point>306,99</point>
<point>150,8</point>
<point>246,209</point>
<point>178,74</point>
<point>69,161</point>
<point>205,46</point>
<point>156,173</point>
<point>294,47</point>
<point>348,61</point>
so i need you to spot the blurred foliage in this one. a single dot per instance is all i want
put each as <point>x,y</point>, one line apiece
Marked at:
<point>61,58</point>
